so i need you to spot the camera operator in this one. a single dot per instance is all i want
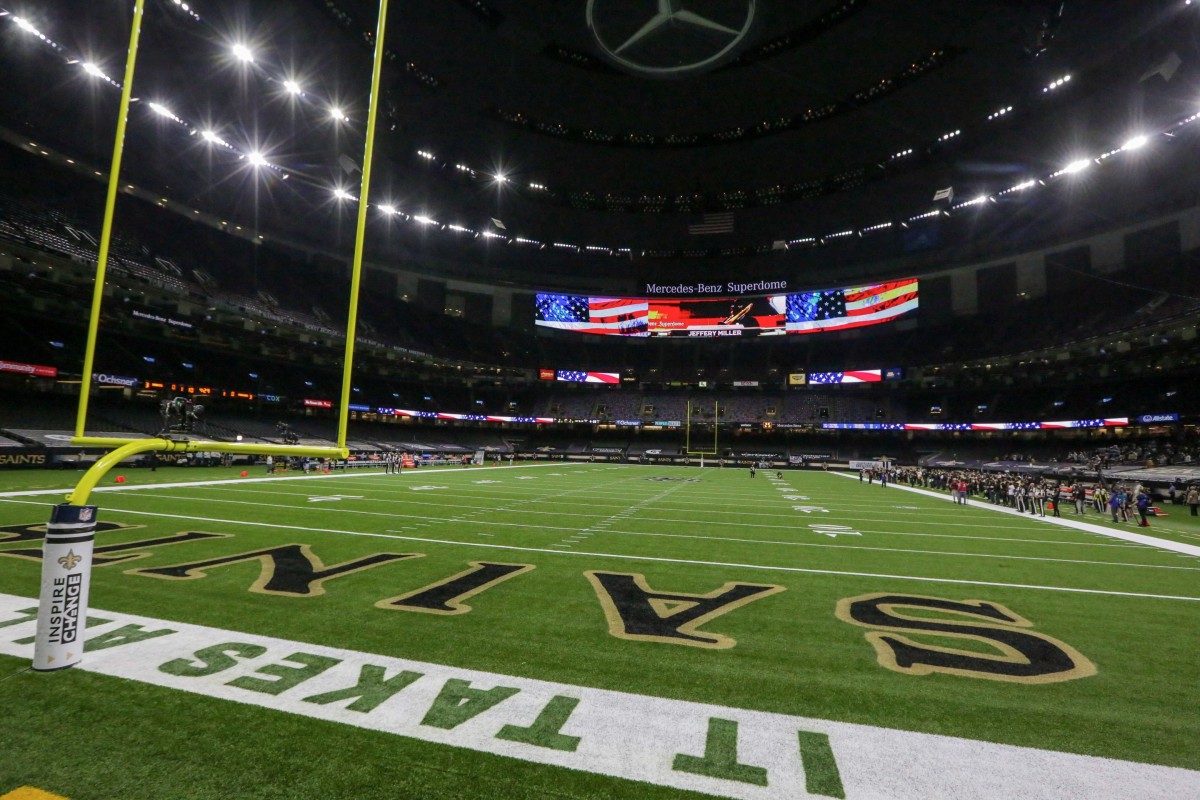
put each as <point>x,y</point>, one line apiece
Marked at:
<point>180,415</point>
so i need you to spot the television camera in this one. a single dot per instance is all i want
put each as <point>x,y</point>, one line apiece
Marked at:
<point>286,433</point>
<point>181,415</point>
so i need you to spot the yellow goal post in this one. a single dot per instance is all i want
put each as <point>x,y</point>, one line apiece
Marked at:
<point>688,427</point>
<point>70,534</point>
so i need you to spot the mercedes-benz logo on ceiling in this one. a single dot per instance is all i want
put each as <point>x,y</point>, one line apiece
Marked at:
<point>669,38</point>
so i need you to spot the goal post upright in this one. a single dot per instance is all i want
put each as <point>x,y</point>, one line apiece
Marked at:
<point>110,204</point>
<point>361,229</point>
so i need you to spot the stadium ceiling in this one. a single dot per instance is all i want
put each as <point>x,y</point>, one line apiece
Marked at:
<point>608,122</point>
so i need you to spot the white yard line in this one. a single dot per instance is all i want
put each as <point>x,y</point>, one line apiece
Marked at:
<point>602,527</point>
<point>363,472</point>
<point>626,517</point>
<point>654,559</point>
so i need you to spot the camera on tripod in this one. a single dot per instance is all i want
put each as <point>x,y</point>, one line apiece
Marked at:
<point>181,415</point>
<point>286,433</point>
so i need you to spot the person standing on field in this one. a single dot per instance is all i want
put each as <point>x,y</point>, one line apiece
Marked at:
<point>1143,506</point>
<point>1114,503</point>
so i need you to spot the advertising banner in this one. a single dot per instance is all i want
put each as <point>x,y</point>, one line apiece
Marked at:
<point>105,379</point>
<point>36,370</point>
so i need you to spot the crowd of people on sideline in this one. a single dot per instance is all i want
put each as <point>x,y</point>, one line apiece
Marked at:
<point>1040,496</point>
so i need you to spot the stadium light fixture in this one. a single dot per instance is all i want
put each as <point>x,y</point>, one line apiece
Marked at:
<point>1077,166</point>
<point>93,70</point>
<point>388,209</point>
<point>337,114</point>
<point>242,53</point>
<point>213,138</point>
<point>341,194</point>
<point>293,87</point>
<point>1058,84</point>
<point>1136,143</point>
<point>25,25</point>
<point>161,110</point>
<point>256,159</point>
<point>187,9</point>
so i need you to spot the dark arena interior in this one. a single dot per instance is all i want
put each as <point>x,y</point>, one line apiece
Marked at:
<point>745,398</point>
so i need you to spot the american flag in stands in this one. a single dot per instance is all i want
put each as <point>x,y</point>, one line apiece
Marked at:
<point>721,222</point>
<point>838,309</point>
<point>578,376</point>
<point>618,315</point>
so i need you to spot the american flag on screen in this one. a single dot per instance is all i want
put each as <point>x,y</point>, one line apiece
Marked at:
<point>838,309</point>
<point>851,376</point>
<point>611,315</point>
<point>578,376</point>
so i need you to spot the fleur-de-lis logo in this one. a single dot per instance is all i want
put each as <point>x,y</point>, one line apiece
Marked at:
<point>70,560</point>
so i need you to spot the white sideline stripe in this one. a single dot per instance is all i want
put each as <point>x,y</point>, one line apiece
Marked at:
<point>658,559</point>
<point>620,734</point>
<point>619,517</point>
<point>1139,538</point>
<point>361,473</point>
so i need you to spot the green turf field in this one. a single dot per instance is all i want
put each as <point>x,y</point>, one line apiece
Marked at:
<point>598,631</point>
